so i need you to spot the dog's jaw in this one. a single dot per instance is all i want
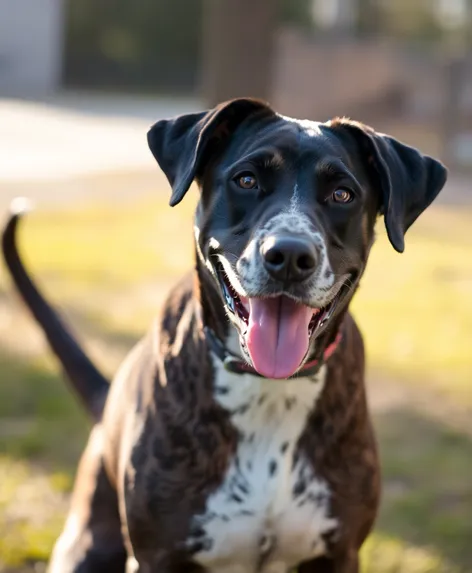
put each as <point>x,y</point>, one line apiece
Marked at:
<point>276,333</point>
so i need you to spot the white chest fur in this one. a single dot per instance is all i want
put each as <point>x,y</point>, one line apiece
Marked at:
<point>271,511</point>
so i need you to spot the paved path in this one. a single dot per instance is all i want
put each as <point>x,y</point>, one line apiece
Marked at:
<point>66,148</point>
<point>72,135</point>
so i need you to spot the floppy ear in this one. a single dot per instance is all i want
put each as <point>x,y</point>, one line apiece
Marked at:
<point>182,145</point>
<point>408,180</point>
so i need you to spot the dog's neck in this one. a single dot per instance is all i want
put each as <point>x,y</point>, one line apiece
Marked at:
<point>213,314</point>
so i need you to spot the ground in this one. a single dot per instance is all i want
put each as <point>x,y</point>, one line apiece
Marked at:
<point>106,248</point>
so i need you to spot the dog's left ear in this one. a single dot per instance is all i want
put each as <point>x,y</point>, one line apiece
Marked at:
<point>182,146</point>
<point>408,180</point>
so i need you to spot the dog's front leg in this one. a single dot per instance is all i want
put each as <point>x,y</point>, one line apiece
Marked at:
<point>91,541</point>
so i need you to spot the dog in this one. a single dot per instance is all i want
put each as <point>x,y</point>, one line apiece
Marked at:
<point>236,436</point>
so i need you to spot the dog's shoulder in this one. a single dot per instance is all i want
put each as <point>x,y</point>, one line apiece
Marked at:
<point>125,399</point>
<point>160,359</point>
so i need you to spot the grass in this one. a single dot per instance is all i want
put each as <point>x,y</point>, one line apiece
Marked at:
<point>109,266</point>
<point>414,308</point>
<point>427,495</point>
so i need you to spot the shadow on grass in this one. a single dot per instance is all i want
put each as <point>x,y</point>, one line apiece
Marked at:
<point>40,419</point>
<point>42,433</point>
<point>427,492</point>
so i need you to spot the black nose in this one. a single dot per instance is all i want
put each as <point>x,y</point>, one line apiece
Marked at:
<point>289,258</point>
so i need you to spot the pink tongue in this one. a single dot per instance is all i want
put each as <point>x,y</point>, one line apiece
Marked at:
<point>277,336</point>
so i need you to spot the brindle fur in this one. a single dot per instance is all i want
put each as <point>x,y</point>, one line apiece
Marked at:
<point>164,443</point>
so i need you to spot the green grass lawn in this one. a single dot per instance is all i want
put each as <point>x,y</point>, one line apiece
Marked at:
<point>108,267</point>
<point>415,308</point>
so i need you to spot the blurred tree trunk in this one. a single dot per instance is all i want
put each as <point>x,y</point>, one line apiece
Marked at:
<point>369,17</point>
<point>454,81</point>
<point>238,43</point>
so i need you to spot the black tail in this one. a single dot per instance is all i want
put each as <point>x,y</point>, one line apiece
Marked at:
<point>88,382</point>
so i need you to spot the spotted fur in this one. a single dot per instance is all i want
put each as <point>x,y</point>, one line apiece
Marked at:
<point>271,508</point>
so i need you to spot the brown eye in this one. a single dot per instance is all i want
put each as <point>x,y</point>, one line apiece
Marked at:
<point>342,196</point>
<point>246,181</point>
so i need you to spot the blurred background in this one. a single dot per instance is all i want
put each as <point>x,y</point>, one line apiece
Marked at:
<point>80,83</point>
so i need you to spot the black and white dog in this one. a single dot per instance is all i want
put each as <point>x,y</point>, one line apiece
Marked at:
<point>236,436</point>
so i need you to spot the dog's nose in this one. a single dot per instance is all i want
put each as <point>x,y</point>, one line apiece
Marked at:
<point>289,258</point>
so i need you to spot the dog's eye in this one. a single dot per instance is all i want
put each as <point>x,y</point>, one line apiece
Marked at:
<point>246,181</point>
<point>342,196</point>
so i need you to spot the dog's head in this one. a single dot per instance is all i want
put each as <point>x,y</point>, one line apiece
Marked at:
<point>286,216</point>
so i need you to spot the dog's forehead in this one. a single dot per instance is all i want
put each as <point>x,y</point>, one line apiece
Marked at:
<point>286,137</point>
<point>306,127</point>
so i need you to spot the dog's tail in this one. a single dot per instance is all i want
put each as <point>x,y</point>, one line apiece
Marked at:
<point>91,386</point>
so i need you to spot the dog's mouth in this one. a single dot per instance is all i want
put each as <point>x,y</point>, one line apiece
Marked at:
<point>275,332</point>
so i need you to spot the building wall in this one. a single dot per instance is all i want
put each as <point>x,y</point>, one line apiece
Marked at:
<point>31,42</point>
<point>319,79</point>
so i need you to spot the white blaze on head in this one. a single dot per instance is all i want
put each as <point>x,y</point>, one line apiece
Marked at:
<point>294,201</point>
<point>311,128</point>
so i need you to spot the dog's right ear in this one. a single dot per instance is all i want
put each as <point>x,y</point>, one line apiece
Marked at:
<point>407,180</point>
<point>181,146</point>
